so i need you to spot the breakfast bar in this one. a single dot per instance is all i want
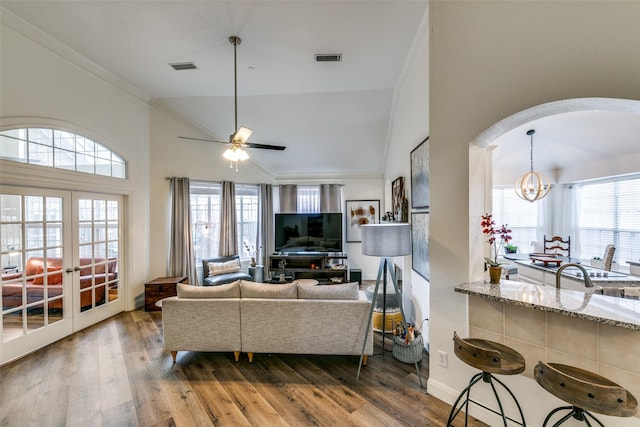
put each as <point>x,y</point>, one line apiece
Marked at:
<point>598,333</point>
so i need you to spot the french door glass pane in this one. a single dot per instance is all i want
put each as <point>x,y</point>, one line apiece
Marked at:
<point>34,208</point>
<point>11,207</point>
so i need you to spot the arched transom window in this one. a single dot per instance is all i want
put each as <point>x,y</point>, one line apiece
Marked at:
<point>61,150</point>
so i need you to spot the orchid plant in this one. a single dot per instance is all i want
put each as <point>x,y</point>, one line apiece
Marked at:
<point>497,237</point>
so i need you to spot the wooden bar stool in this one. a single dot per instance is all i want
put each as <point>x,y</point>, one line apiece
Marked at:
<point>584,391</point>
<point>491,358</point>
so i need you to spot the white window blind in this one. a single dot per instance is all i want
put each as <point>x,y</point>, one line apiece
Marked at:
<point>519,215</point>
<point>247,218</point>
<point>610,214</point>
<point>308,198</point>
<point>205,218</point>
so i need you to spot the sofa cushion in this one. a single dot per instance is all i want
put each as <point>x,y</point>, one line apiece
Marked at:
<point>229,290</point>
<point>217,268</point>
<point>266,290</point>
<point>345,291</point>
<point>52,279</point>
<point>222,279</point>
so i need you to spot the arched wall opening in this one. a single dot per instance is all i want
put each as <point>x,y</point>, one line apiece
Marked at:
<point>481,156</point>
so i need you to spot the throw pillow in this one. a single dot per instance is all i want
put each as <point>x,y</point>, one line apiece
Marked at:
<point>305,282</point>
<point>217,268</point>
<point>229,290</point>
<point>266,290</point>
<point>52,279</point>
<point>346,291</point>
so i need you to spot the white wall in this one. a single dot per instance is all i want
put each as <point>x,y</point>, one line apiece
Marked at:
<point>39,87</point>
<point>409,127</point>
<point>363,189</point>
<point>489,60</point>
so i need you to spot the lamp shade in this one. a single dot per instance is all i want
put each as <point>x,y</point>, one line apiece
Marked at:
<point>386,240</point>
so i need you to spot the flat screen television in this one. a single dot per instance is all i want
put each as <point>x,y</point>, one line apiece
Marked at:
<point>308,232</point>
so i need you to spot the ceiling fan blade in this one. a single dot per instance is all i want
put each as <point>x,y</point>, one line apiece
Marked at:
<point>264,146</point>
<point>203,140</point>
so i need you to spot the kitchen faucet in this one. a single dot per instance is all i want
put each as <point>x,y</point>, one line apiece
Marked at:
<point>587,281</point>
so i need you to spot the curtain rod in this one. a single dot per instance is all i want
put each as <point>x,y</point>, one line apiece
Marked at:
<point>245,183</point>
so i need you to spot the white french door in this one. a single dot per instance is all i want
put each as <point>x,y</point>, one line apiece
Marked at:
<point>60,263</point>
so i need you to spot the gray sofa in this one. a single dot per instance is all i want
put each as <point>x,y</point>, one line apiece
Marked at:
<point>221,279</point>
<point>258,318</point>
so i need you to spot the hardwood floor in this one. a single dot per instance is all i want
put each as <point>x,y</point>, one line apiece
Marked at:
<point>116,373</point>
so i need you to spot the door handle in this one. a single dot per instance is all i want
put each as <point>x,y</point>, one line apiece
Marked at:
<point>69,270</point>
<point>76,268</point>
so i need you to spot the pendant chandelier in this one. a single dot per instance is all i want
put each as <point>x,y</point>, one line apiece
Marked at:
<point>532,185</point>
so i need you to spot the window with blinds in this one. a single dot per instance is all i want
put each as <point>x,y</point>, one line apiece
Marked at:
<point>610,214</point>
<point>519,215</point>
<point>205,198</point>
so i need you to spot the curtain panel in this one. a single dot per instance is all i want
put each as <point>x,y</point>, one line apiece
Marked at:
<point>288,198</point>
<point>330,198</point>
<point>181,257</point>
<point>266,237</point>
<point>228,220</point>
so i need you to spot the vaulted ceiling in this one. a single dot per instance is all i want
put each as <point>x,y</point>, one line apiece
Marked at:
<point>333,117</point>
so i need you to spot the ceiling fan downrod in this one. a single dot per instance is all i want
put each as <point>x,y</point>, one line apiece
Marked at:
<point>235,41</point>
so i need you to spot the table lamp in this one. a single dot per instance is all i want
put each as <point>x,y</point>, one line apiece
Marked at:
<point>385,241</point>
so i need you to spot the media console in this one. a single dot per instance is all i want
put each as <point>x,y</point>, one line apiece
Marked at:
<point>324,267</point>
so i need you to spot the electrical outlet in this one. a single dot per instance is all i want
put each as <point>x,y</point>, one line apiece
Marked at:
<point>442,359</point>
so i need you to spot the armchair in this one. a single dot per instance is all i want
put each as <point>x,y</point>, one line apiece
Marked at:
<point>225,269</point>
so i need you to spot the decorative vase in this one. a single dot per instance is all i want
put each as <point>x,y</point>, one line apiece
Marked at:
<point>494,274</point>
<point>253,262</point>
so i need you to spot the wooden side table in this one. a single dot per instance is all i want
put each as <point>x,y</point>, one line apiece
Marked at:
<point>160,288</point>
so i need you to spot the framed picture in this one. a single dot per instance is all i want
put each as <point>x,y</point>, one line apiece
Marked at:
<point>358,213</point>
<point>420,175</point>
<point>420,243</point>
<point>397,195</point>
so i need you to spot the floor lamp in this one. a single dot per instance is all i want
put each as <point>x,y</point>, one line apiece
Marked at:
<point>385,241</point>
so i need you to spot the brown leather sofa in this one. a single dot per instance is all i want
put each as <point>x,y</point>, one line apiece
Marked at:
<point>12,283</point>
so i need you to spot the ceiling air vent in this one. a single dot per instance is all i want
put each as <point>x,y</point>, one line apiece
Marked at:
<point>328,57</point>
<point>179,66</point>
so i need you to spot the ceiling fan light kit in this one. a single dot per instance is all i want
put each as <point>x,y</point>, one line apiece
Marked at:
<point>532,185</point>
<point>238,140</point>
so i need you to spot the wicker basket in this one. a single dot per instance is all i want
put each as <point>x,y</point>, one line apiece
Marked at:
<point>408,353</point>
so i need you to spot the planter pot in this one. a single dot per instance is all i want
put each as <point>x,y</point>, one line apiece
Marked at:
<point>494,274</point>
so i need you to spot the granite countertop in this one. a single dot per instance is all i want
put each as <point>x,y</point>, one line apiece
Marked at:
<point>622,312</point>
<point>605,278</point>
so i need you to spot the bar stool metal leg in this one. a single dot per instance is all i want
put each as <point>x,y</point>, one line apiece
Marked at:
<point>488,378</point>
<point>574,412</point>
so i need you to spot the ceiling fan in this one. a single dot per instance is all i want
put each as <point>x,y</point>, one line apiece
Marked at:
<point>238,140</point>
